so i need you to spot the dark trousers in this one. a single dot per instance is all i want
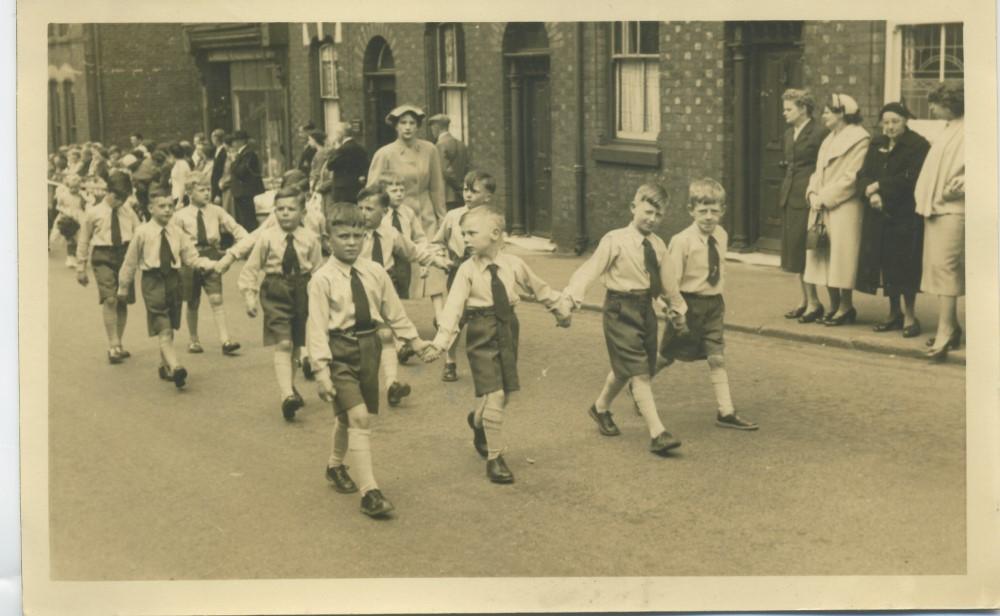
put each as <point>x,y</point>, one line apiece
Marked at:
<point>245,213</point>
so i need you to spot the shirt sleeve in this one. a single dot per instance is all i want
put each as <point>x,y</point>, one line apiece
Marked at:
<point>315,255</point>
<point>126,275</point>
<point>392,309</point>
<point>249,275</point>
<point>531,285</point>
<point>586,274</point>
<point>83,238</point>
<point>244,247</point>
<point>417,230</point>
<point>448,322</point>
<point>189,254</point>
<point>318,322</point>
<point>670,274</point>
<point>412,252</point>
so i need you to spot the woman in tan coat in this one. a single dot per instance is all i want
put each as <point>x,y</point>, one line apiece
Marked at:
<point>834,199</point>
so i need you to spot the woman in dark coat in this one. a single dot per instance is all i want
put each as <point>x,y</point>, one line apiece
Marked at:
<point>802,140</point>
<point>892,234</point>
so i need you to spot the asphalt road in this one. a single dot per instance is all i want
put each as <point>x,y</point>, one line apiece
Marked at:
<point>858,468</point>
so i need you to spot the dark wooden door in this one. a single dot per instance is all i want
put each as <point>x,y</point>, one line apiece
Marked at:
<point>777,69</point>
<point>380,92</point>
<point>537,155</point>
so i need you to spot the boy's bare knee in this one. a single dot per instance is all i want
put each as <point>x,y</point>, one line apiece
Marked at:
<point>716,361</point>
<point>358,417</point>
<point>285,346</point>
<point>385,335</point>
<point>111,302</point>
<point>215,300</point>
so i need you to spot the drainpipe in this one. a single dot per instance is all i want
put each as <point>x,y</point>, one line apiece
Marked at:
<point>578,167</point>
<point>96,37</point>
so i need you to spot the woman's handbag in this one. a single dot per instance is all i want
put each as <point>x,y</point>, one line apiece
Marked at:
<point>817,237</point>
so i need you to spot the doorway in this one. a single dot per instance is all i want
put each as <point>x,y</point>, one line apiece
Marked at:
<point>380,93</point>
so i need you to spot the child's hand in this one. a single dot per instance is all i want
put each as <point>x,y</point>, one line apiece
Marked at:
<point>419,345</point>
<point>251,308</point>
<point>430,353</point>
<point>325,386</point>
<point>679,322</point>
<point>81,277</point>
<point>563,321</point>
<point>122,294</point>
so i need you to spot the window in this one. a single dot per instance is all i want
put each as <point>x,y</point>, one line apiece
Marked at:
<point>635,58</point>
<point>918,57</point>
<point>55,116</point>
<point>328,86</point>
<point>451,79</point>
<point>69,108</point>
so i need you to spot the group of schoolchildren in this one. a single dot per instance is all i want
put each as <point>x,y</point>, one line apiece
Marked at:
<point>328,285</point>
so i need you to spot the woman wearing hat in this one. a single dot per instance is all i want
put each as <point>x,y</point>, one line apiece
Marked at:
<point>940,197</point>
<point>892,233</point>
<point>417,162</point>
<point>834,201</point>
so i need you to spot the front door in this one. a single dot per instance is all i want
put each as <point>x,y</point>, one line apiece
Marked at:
<point>537,155</point>
<point>777,69</point>
<point>381,92</point>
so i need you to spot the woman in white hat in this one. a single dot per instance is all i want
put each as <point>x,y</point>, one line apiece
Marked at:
<point>835,201</point>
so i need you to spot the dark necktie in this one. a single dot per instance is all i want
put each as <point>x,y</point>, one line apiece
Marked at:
<point>116,229</point>
<point>166,255</point>
<point>713,262</point>
<point>653,267</point>
<point>362,312</point>
<point>395,220</point>
<point>501,303</point>
<point>505,330</point>
<point>290,261</point>
<point>377,248</point>
<point>202,232</point>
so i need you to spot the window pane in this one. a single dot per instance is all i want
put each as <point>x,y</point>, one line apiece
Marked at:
<point>70,107</point>
<point>649,37</point>
<point>616,37</point>
<point>923,60</point>
<point>954,52</point>
<point>454,105</point>
<point>632,45</point>
<point>449,54</point>
<point>652,108</point>
<point>630,96</point>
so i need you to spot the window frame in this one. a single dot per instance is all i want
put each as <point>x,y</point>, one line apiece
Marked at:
<point>69,110</point>
<point>323,93</point>
<point>461,83</point>
<point>616,60</point>
<point>56,114</point>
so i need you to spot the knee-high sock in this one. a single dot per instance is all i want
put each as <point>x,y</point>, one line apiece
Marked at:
<point>720,383</point>
<point>192,323</point>
<point>359,446</point>
<point>390,367</point>
<point>477,416</point>
<point>122,311</point>
<point>109,314</point>
<point>166,340</point>
<point>643,395</point>
<point>219,314</point>
<point>338,443</point>
<point>612,387</point>
<point>493,424</point>
<point>283,371</point>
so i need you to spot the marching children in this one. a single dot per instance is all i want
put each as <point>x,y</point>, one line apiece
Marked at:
<point>103,239</point>
<point>478,189</point>
<point>349,298</point>
<point>698,255</point>
<point>387,247</point>
<point>159,249</point>
<point>204,222</point>
<point>485,291</point>
<point>288,254</point>
<point>406,222</point>
<point>70,206</point>
<point>633,264</point>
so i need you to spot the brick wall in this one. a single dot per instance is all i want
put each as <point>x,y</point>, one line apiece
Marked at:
<point>67,62</point>
<point>149,83</point>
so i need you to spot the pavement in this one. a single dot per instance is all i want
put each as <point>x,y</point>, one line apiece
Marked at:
<point>858,467</point>
<point>757,296</point>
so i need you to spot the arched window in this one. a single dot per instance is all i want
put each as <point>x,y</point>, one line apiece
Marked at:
<point>451,78</point>
<point>328,85</point>
<point>635,56</point>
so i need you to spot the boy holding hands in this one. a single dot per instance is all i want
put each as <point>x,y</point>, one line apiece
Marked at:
<point>350,297</point>
<point>484,293</point>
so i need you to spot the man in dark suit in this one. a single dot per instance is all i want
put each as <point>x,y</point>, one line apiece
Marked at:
<point>454,159</point>
<point>218,163</point>
<point>247,181</point>
<point>349,163</point>
<point>308,152</point>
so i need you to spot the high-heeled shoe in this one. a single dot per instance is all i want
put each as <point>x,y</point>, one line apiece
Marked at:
<point>848,317</point>
<point>938,356</point>
<point>796,313</point>
<point>954,340</point>
<point>813,315</point>
<point>912,331</point>
<point>894,323</point>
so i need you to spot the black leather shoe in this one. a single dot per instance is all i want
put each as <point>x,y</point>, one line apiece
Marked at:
<point>450,373</point>
<point>342,482</point>
<point>663,443</point>
<point>605,424</point>
<point>374,505</point>
<point>954,340</point>
<point>938,356</point>
<point>114,357</point>
<point>123,353</point>
<point>229,348</point>
<point>180,377</point>
<point>397,391</point>
<point>405,353</point>
<point>794,314</point>
<point>289,405</point>
<point>497,471</point>
<point>164,374</point>
<point>912,331</point>
<point>813,316</point>
<point>848,317</point>
<point>887,326</point>
<point>307,369</point>
<point>478,436</point>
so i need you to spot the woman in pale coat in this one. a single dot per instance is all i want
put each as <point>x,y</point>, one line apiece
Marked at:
<point>834,198</point>
<point>940,198</point>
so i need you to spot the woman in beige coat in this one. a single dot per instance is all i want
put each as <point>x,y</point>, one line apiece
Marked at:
<point>834,198</point>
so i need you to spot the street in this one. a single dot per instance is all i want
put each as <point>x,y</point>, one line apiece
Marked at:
<point>858,467</point>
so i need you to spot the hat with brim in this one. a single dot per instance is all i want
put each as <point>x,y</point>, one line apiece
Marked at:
<point>897,108</point>
<point>241,135</point>
<point>402,110</point>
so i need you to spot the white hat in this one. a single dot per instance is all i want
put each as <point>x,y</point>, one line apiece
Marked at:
<point>845,102</point>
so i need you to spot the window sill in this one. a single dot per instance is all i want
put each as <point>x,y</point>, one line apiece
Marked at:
<point>622,154</point>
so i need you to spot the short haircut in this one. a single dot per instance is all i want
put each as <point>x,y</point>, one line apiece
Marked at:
<point>950,95</point>
<point>344,214</point>
<point>158,157</point>
<point>705,190</point>
<point>318,136</point>
<point>177,150</point>
<point>802,98</point>
<point>197,179</point>
<point>492,215</point>
<point>389,177</point>
<point>485,180</point>
<point>137,136</point>
<point>218,133</point>
<point>198,137</point>
<point>375,190</point>
<point>156,192</point>
<point>308,126</point>
<point>290,192</point>
<point>653,194</point>
<point>294,177</point>
<point>346,129</point>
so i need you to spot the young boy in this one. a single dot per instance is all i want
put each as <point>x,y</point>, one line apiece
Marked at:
<point>106,231</point>
<point>485,291</point>
<point>70,204</point>
<point>406,222</point>
<point>698,255</point>
<point>287,254</point>
<point>159,249</point>
<point>349,298</point>
<point>387,247</point>
<point>204,223</point>
<point>633,264</point>
<point>478,190</point>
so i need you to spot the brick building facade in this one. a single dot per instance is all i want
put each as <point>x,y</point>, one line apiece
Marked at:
<point>569,117</point>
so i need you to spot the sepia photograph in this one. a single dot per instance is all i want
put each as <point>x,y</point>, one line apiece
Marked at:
<point>459,304</point>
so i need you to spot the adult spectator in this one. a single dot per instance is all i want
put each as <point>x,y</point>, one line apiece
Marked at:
<point>834,201</point>
<point>454,159</point>
<point>892,233</point>
<point>320,178</point>
<point>940,197</point>
<point>218,164</point>
<point>247,180</point>
<point>179,172</point>
<point>349,163</point>
<point>308,151</point>
<point>803,138</point>
<point>137,143</point>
